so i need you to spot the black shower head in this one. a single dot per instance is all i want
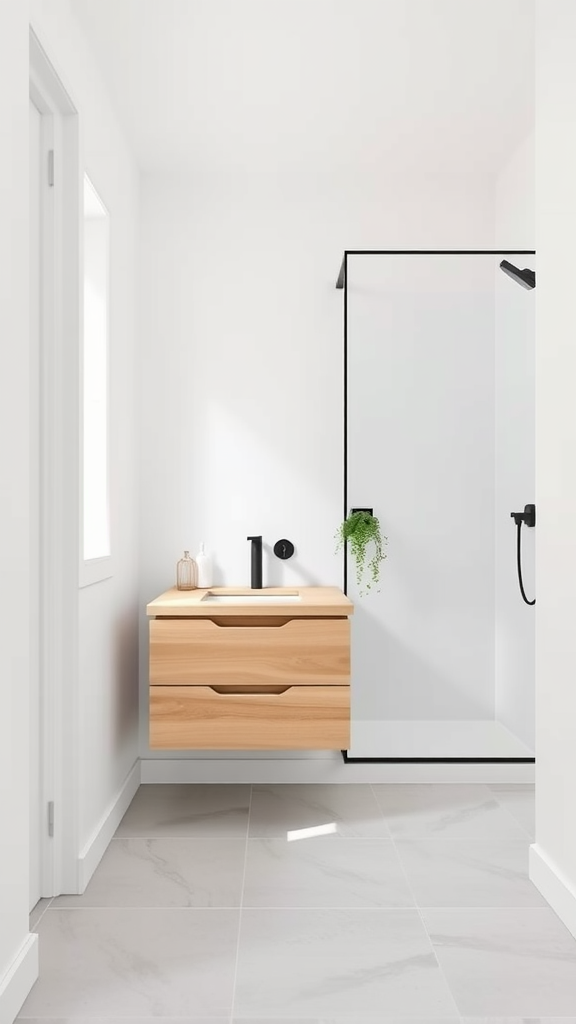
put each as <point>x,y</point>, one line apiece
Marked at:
<point>527,278</point>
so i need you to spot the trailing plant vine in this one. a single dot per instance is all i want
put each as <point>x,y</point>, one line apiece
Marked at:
<point>360,530</point>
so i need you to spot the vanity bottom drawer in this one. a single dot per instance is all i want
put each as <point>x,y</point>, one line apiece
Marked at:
<point>236,718</point>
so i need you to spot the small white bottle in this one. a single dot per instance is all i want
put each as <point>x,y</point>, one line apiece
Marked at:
<point>204,567</point>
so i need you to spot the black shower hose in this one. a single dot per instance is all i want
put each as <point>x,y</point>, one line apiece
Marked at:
<point>519,562</point>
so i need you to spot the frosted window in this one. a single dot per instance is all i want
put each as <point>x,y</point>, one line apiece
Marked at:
<point>95,373</point>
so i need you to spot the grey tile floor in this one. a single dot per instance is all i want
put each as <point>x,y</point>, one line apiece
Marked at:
<point>310,905</point>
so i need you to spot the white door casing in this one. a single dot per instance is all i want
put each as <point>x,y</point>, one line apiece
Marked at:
<point>55,572</point>
<point>35,787</point>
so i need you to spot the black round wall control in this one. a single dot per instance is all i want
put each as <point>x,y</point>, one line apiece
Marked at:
<point>284,549</point>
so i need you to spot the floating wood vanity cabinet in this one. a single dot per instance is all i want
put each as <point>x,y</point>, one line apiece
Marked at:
<point>236,669</point>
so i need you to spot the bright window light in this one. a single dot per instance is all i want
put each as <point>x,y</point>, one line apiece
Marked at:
<point>96,543</point>
<point>309,833</point>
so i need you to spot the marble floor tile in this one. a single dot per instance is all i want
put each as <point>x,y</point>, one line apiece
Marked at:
<point>203,811</point>
<point>519,963</point>
<point>520,801</point>
<point>469,872</point>
<point>352,1019</point>
<point>447,811</point>
<point>166,873</point>
<point>324,872</point>
<point>518,1020</point>
<point>351,810</point>
<point>283,1020</point>
<point>37,913</point>
<point>326,963</point>
<point>135,963</point>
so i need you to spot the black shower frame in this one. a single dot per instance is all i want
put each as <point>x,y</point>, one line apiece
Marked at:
<point>342,284</point>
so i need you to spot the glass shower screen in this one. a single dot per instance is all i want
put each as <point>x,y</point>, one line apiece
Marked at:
<point>440,443</point>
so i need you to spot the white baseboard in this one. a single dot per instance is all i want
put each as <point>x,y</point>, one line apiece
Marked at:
<point>19,979</point>
<point>321,769</point>
<point>96,847</point>
<point>555,888</point>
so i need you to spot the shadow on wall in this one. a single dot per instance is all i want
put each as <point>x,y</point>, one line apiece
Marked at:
<point>125,655</point>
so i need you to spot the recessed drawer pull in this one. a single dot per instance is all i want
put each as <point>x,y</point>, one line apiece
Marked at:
<point>249,622</point>
<point>250,689</point>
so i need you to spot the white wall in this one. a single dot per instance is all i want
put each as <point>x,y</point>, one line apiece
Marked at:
<point>515,448</point>
<point>108,611</point>
<point>14,509</point>
<point>421,452</point>
<point>553,863</point>
<point>241,346</point>
<point>515,198</point>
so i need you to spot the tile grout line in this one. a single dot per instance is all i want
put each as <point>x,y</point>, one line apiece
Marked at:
<point>408,837</point>
<point>419,912</point>
<point>502,806</point>
<point>493,794</point>
<point>416,907</point>
<point>429,938</point>
<point>453,908</point>
<point>241,906</point>
<point>381,809</point>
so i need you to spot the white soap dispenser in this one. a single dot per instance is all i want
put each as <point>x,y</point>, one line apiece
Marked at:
<point>204,564</point>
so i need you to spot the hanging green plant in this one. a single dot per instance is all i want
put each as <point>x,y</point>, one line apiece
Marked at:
<point>360,530</point>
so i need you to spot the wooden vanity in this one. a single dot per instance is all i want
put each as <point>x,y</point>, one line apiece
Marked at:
<point>231,671</point>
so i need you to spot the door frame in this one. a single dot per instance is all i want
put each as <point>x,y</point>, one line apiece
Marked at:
<point>59,475</point>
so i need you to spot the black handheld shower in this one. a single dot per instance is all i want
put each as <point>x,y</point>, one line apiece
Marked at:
<point>526,277</point>
<point>528,517</point>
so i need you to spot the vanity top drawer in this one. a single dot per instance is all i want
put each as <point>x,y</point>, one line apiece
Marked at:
<point>301,652</point>
<point>294,718</point>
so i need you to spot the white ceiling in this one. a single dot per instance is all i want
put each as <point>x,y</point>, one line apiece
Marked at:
<point>338,86</point>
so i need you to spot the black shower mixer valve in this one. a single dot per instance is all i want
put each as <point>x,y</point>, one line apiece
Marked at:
<point>527,517</point>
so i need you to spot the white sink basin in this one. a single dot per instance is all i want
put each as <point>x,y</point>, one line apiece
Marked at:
<point>211,598</point>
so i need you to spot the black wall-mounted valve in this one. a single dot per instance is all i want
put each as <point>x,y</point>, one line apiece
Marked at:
<point>284,549</point>
<point>528,516</point>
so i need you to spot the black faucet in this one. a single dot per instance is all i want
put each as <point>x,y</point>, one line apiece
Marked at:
<point>256,563</point>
